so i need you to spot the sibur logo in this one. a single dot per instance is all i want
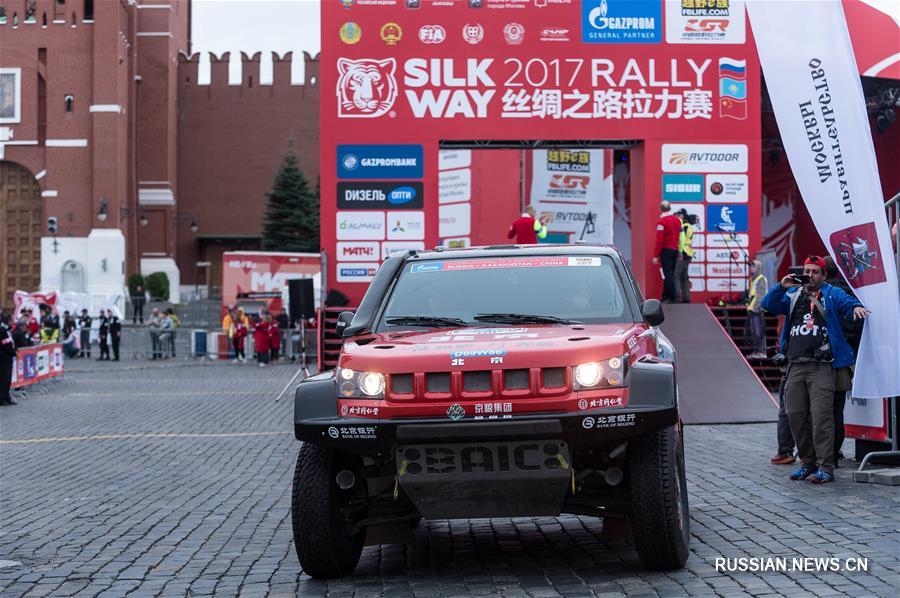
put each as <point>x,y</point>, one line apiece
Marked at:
<point>366,88</point>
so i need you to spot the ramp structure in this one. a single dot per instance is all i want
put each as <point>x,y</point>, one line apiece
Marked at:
<point>716,384</point>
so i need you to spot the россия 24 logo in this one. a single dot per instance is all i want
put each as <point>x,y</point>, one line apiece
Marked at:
<point>366,88</point>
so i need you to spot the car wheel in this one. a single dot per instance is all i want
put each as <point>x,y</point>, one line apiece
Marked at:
<point>328,544</point>
<point>659,499</point>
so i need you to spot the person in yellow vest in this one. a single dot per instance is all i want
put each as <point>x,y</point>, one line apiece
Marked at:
<point>685,255</point>
<point>757,324</point>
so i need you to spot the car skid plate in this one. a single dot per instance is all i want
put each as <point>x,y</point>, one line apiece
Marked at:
<point>485,479</point>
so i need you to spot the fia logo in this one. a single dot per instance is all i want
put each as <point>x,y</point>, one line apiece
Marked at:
<point>366,88</point>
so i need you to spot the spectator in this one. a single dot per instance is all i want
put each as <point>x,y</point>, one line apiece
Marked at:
<point>104,336</point>
<point>167,329</point>
<point>755,320</point>
<point>115,335</point>
<point>68,324</point>
<point>228,329</point>
<point>685,255</point>
<point>84,324</point>
<point>261,342</point>
<point>274,337</point>
<point>138,299</point>
<point>815,347</point>
<point>527,229</point>
<point>176,324</point>
<point>668,234</point>
<point>240,334</point>
<point>49,328</point>
<point>7,359</point>
<point>71,344</point>
<point>20,335</point>
<point>853,334</point>
<point>154,322</point>
<point>34,326</point>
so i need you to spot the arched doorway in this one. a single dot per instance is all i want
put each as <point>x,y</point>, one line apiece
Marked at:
<point>73,277</point>
<point>20,228</point>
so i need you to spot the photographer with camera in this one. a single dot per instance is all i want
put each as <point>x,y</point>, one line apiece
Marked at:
<point>815,348</point>
<point>686,254</point>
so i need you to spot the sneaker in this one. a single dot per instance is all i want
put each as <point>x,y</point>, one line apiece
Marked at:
<point>822,477</point>
<point>804,472</point>
<point>781,459</point>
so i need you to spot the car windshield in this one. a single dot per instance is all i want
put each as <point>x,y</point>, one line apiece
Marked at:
<point>545,289</point>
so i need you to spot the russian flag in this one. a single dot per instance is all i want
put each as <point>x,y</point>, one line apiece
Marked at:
<point>734,69</point>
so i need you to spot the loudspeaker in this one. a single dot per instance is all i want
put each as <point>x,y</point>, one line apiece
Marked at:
<point>336,298</point>
<point>301,298</point>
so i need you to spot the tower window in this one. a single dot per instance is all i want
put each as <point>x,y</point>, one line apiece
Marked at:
<point>70,103</point>
<point>88,10</point>
<point>2,15</point>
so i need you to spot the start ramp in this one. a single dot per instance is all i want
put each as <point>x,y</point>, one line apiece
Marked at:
<point>716,384</point>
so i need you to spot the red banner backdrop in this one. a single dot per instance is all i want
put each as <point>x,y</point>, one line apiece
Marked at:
<point>256,279</point>
<point>34,364</point>
<point>408,75</point>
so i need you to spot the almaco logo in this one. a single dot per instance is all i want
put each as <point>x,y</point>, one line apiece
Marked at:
<point>708,158</point>
<point>366,88</point>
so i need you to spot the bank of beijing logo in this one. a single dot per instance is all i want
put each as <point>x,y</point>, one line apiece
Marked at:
<point>366,88</point>
<point>856,250</point>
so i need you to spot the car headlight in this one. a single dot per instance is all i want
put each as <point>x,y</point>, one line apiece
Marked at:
<point>600,374</point>
<point>353,384</point>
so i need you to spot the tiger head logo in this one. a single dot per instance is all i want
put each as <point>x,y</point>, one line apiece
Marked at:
<point>366,88</point>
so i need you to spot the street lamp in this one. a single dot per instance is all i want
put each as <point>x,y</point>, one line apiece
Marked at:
<point>104,208</point>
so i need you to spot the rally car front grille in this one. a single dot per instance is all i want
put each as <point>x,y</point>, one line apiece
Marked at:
<point>431,386</point>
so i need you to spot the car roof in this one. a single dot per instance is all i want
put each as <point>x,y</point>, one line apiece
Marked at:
<point>489,251</point>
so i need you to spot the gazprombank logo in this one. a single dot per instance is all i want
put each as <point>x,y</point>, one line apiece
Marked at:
<point>366,88</point>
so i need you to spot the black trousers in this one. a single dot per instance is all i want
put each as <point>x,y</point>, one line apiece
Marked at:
<point>104,348</point>
<point>138,311</point>
<point>6,370</point>
<point>668,258</point>
<point>115,347</point>
<point>785,438</point>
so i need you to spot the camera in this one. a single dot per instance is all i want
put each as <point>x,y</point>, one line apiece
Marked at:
<point>692,219</point>
<point>780,360</point>
<point>824,353</point>
<point>800,278</point>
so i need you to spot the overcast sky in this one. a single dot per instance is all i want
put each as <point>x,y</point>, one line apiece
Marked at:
<point>255,26</point>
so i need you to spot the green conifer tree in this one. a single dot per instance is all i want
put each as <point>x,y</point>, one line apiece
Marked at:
<point>292,215</point>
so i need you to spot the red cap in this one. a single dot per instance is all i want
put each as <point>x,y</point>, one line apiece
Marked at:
<point>815,260</point>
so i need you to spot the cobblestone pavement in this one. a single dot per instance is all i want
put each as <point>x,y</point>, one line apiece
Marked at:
<point>174,479</point>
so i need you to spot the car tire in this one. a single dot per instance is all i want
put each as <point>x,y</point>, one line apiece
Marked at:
<point>327,544</point>
<point>660,515</point>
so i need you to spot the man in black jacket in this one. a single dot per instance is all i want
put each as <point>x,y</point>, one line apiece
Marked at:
<point>115,334</point>
<point>104,336</point>
<point>853,333</point>
<point>7,359</point>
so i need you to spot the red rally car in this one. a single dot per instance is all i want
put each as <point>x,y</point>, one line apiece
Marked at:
<point>502,381</point>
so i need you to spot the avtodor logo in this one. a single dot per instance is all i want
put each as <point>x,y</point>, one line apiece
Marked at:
<point>366,88</point>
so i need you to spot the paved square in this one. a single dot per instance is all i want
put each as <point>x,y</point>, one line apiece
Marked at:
<point>174,479</point>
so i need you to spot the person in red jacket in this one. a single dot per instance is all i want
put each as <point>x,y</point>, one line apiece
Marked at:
<point>261,341</point>
<point>274,337</point>
<point>237,338</point>
<point>668,231</point>
<point>527,229</point>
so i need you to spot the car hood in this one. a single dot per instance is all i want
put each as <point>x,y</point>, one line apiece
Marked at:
<point>506,347</point>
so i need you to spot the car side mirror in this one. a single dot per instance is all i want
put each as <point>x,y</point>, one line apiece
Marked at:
<point>652,311</point>
<point>343,321</point>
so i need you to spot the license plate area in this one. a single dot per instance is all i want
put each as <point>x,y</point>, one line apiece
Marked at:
<point>532,457</point>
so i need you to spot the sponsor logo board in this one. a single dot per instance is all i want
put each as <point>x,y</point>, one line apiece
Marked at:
<point>682,157</point>
<point>720,240</point>
<point>360,226</point>
<point>389,247</point>
<point>726,218</point>
<point>366,88</point>
<point>455,185</point>
<point>699,240</point>
<point>456,242</point>
<point>621,21</point>
<point>356,272</point>
<point>454,220</point>
<point>694,209</point>
<point>682,187</point>
<point>379,161</point>
<point>724,188</point>
<point>698,285</point>
<point>406,226</point>
<point>695,270</point>
<point>723,255</point>
<point>725,285</point>
<point>450,159</point>
<point>693,22</point>
<point>699,254</point>
<point>363,251</point>
<point>379,195</point>
<point>726,269</point>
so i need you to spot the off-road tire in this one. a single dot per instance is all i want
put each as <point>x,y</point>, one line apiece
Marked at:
<point>660,515</point>
<point>325,543</point>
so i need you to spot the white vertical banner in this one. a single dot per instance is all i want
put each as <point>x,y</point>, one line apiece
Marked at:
<point>814,84</point>
<point>567,185</point>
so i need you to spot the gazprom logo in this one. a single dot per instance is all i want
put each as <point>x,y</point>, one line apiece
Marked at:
<point>401,195</point>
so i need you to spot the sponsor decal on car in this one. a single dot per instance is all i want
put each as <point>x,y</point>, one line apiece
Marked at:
<point>353,432</point>
<point>456,412</point>
<point>623,420</point>
<point>485,408</point>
